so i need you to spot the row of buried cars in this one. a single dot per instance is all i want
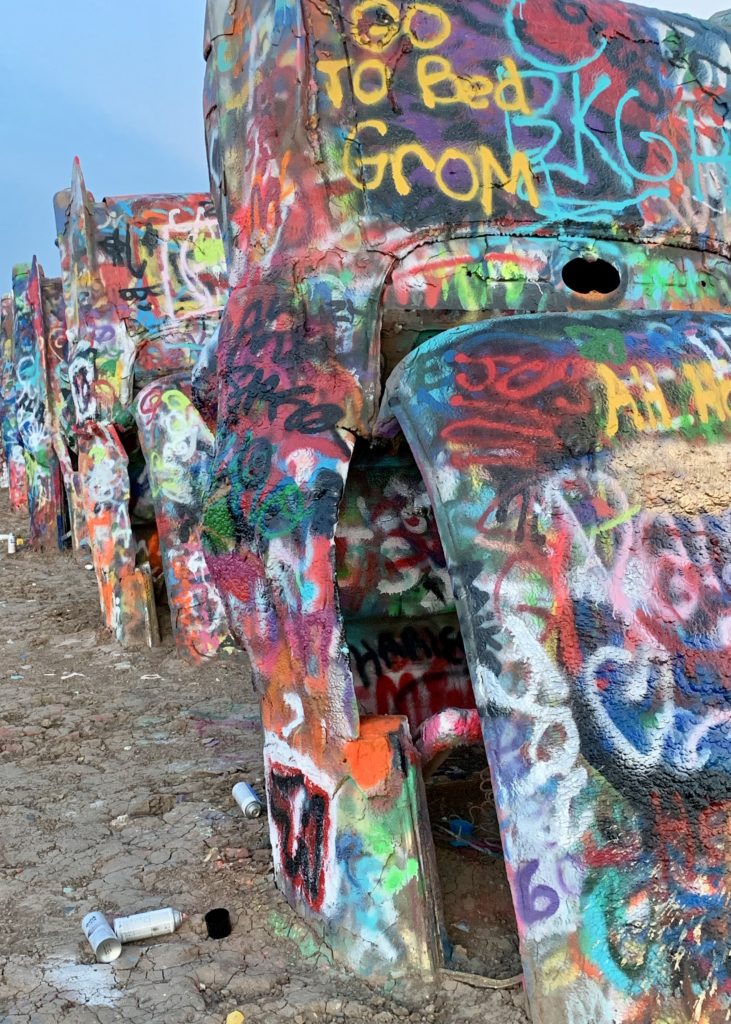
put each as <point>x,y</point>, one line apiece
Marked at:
<point>101,441</point>
<point>473,413</point>
<point>108,439</point>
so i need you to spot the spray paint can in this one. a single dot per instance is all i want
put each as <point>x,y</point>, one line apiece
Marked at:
<point>101,937</point>
<point>11,544</point>
<point>247,799</point>
<point>147,926</point>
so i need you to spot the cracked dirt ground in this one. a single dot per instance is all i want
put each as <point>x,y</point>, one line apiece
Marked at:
<point>116,770</point>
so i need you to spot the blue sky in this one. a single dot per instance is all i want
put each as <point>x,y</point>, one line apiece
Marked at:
<point>118,83</point>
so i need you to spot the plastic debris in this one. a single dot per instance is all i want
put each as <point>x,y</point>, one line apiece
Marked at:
<point>464,834</point>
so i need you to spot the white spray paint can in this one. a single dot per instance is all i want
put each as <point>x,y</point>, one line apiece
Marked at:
<point>101,937</point>
<point>11,544</point>
<point>147,926</point>
<point>247,799</point>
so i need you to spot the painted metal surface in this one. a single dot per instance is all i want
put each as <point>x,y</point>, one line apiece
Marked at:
<point>385,174</point>
<point>178,449</point>
<point>144,283</point>
<point>125,588</point>
<point>589,558</point>
<point>61,407</point>
<point>12,444</point>
<point>509,217</point>
<point>45,495</point>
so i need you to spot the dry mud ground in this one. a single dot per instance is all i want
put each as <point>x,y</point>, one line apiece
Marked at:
<point>116,769</point>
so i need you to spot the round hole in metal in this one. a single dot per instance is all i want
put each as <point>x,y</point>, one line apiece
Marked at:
<point>585,276</point>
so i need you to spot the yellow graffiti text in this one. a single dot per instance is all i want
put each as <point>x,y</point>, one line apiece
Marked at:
<point>619,400</point>
<point>641,402</point>
<point>480,172</point>
<point>710,395</point>
<point>377,23</point>
<point>653,399</point>
<point>441,85</point>
<point>371,80</point>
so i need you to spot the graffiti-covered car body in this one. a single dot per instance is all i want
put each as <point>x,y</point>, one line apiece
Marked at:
<point>508,211</point>
<point>12,444</point>
<point>144,283</point>
<point>33,406</point>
